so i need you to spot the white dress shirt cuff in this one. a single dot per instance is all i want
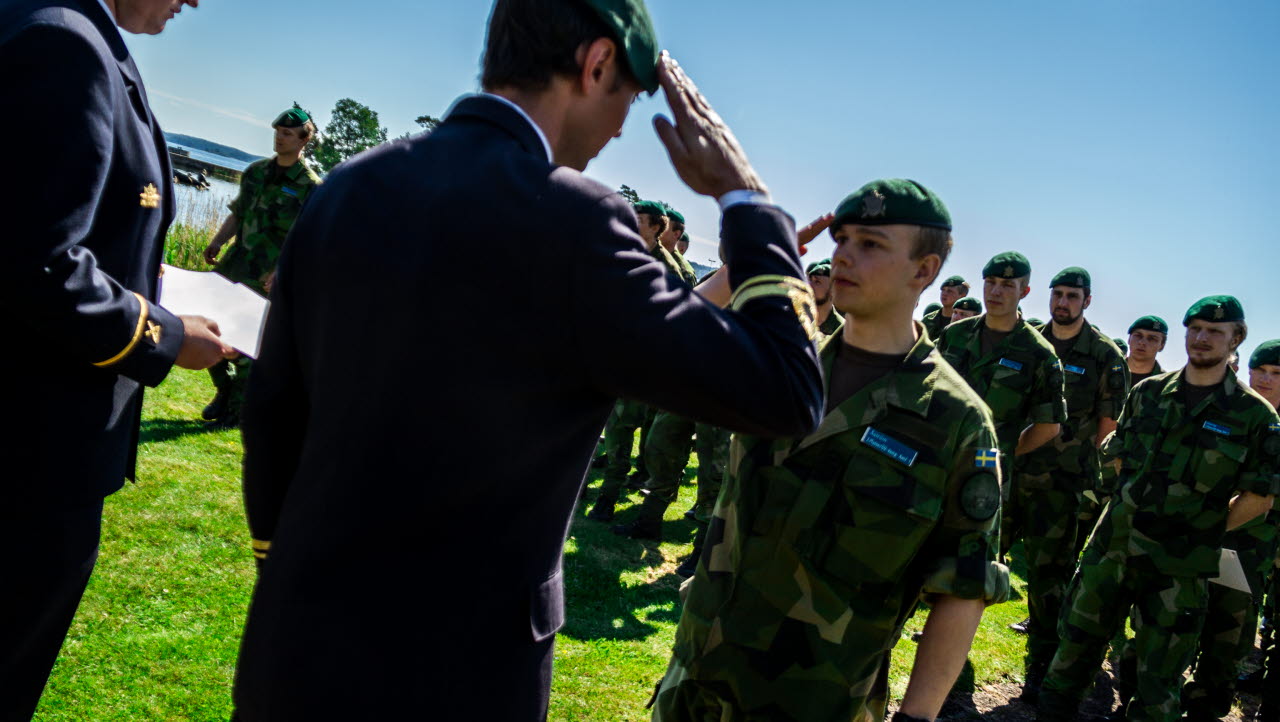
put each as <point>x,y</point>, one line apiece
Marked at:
<point>738,197</point>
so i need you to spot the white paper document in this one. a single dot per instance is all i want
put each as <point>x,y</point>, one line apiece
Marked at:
<point>1231,572</point>
<point>239,311</point>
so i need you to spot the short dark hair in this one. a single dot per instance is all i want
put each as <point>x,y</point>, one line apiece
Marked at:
<point>530,41</point>
<point>936,241</point>
<point>661,221</point>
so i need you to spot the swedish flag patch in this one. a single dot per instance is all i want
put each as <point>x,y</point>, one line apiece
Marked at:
<point>986,458</point>
<point>1274,427</point>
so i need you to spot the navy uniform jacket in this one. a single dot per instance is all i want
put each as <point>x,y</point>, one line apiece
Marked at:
<point>86,199</point>
<point>415,479</point>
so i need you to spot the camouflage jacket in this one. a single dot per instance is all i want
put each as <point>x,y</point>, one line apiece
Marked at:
<point>668,259</point>
<point>835,320</point>
<point>266,208</point>
<point>935,323</point>
<point>1021,379</point>
<point>819,548</point>
<point>1097,381</point>
<point>686,272</point>
<point>1179,468</point>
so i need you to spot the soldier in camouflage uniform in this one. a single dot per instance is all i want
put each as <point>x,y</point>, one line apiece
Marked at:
<point>272,192</point>
<point>1232,620</point>
<point>935,306</point>
<point>967,307</point>
<point>670,239</point>
<point>1147,337</point>
<point>1198,455</point>
<point>820,547</point>
<point>1012,367</point>
<point>953,289</point>
<point>820,281</point>
<point>629,416</point>
<point>1050,482</point>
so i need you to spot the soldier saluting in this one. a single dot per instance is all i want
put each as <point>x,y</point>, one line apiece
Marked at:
<point>820,545</point>
<point>1198,455</point>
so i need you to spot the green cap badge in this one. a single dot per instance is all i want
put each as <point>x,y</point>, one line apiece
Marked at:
<point>1150,323</point>
<point>1268,354</point>
<point>953,281</point>
<point>1073,277</point>
<point>630,22</point>
<point>895,200</point>
<point>291,118</point>
<point>1009,264</point>
<point>1215,309</point>
<point>968,303</point>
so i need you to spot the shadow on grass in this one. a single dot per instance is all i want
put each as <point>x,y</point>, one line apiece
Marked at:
<point>160,430</point>
<point>615,587</point>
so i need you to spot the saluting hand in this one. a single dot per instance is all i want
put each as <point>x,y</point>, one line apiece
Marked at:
<point>811,231</point>
<point>202,346</point>
<point>702,148</point>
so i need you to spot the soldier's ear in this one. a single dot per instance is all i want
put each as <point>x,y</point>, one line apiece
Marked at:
<point>1087,300</point>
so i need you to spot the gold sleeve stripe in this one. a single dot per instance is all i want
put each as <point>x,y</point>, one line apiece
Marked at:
<point>143,310</point>
<point>793,289</point>
<point>260,545</point>
<point>259,555</point>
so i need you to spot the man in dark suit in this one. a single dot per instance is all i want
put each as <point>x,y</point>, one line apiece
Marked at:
<point>412,563</point>
<point>87,199</point>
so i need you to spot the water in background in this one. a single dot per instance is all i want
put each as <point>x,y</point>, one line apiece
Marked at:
<point>212,158</point>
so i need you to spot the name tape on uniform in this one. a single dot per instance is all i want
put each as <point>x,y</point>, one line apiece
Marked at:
<point>1011,364</point>
<point>1217,428</point>
<point>889,446</point>
<point>1074,369</point>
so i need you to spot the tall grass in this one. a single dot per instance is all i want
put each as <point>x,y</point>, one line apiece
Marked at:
<point>198,218</point>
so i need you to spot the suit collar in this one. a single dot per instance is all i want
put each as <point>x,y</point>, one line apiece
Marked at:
<point>506,115</point>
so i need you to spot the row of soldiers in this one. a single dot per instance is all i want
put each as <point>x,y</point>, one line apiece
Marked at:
<point>931,464</point>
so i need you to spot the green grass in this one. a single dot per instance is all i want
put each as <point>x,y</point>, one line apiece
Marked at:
<point>156,635</point>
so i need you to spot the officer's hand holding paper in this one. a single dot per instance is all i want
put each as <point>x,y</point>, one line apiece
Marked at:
<point>240,312</point>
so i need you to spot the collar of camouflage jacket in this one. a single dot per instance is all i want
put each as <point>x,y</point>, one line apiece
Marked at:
<point>908,387</point>
<point>1221,395</point>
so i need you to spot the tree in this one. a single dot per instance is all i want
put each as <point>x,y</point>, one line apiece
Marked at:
<point>428,122</point>
<point>353,127</point>
<point>630,194</point>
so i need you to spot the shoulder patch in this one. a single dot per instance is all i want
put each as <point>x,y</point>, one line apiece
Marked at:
<point>980,496</point>
<point>1274,428</point>
<point>1271,444</point>
<point>986,458</point>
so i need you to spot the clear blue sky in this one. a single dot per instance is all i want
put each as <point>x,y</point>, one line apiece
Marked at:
<point>1136,138</point>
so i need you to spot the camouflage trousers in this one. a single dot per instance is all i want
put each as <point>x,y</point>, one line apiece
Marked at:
<point>1230,627</point>
<point>231,376</point>
<point>619,439</point>
<point>1046,519</point>
<point>666,455</point>
<point>1091,506</point>
<point>1167,616</point>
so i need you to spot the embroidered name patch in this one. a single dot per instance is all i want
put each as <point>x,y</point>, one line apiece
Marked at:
<point>986,458</point>
<point>1217,428</point>
<point>1011,364</point>
<point>1075,369</point>
<point>889,446</point>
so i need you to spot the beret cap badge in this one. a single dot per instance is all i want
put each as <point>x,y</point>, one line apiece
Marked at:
<point>873,205</point>
<point>1219,313</point>
<point>1008,271</point>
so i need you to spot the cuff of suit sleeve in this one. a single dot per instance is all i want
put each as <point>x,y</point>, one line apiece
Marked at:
<point>154,346</point>
<point>759,240</point>
<point>739,197</point>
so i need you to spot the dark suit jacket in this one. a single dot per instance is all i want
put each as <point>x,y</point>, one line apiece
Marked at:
<point>416,476</point>
<point>81,252</point>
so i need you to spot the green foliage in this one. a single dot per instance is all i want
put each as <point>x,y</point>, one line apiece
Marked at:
<point>353,127</point>
<point>630,194</point>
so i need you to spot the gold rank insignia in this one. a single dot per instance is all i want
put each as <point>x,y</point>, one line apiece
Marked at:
<point>873,205</point>
<point>153,332</point>
<point>1219,313</point>
<point>150,196</point>
<point>1008,271</point>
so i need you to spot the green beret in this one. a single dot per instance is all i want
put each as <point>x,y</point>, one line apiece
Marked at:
<point>675,215</point>
<point>1074,277</point>
<point>292,118</point>
<point>630,22</point>
<point>1034,321</point>
<point>685,237</point>
<point>1268,354</point>
<point>884,202</point>
<point>1150,323</point>
<point>968,303</point>
<point>1217,309</point>
<point>931,308</point>
<point>953,281</point>
<point>1119,342</point>
<point>652,208</point>
<point>1009,264</point>
<point>819,268</point>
